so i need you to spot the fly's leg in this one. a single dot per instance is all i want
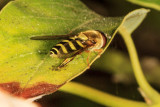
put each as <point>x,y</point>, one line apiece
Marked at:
<point>99,54</point>
<point>99,51</point>
<point>88,60</point>
<point>65,62</point>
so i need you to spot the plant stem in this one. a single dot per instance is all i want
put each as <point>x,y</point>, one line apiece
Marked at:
<point>151,93</point>
<point>99,96</point>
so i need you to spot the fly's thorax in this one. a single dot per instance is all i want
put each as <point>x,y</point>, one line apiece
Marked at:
<point>81,36</point>
<point>96,39</point>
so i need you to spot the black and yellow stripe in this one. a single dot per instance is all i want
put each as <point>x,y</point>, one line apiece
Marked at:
<point>67,46</point>
<point>70,44</point>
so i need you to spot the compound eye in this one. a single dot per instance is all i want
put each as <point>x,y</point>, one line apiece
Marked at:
<point>103,34</point>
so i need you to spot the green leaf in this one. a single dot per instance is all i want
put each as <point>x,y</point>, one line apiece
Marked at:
<point>134,19</point>
<point>25,64</point>
<point>155,4</point>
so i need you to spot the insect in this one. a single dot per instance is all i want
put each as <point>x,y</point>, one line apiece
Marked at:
<point>72,45</point>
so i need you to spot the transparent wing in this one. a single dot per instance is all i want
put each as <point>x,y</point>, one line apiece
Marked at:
<point>54,37</point>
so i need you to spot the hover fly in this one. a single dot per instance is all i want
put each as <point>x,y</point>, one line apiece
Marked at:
<point>67,49</point>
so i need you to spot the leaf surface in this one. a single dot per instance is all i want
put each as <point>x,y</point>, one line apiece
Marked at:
<point>134,19</point>
<point>25,64</point>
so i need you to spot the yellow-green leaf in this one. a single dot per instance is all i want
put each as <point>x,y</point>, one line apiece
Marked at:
<point>134,19</point>
<point>25,64</point>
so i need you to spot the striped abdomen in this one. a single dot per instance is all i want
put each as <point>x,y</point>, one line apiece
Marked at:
<point>67,48</point>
